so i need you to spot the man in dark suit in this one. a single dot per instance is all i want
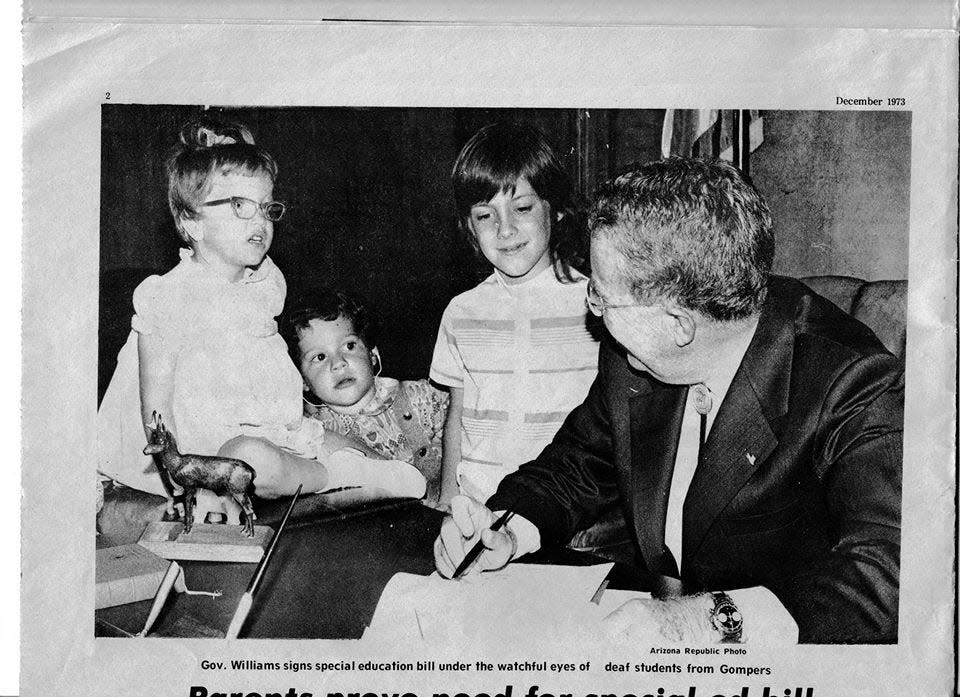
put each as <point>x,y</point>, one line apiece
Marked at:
<point>750,429</point>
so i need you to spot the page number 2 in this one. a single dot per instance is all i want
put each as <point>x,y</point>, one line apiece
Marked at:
<point>108,95</point>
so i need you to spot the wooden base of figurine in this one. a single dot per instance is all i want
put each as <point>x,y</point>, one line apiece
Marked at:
<point>206,542</point>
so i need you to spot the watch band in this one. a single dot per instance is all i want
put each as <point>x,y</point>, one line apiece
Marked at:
<point>725,617</point>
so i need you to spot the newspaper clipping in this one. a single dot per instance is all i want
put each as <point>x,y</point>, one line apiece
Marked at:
<point>349,275</point>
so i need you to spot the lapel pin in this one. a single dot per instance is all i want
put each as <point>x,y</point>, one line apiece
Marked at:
<point>752,459</point>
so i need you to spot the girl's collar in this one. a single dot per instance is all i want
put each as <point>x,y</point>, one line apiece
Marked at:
<point>543,277</point>
<point>546,277</point>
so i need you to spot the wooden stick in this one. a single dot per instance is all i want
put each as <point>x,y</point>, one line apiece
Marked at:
<point>173,572</point>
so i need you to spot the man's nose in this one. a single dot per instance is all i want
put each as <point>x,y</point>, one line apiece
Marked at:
<point>338,363</point>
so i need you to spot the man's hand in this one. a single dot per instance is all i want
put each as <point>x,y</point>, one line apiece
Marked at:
<point>468,522</point>
<point>684,619</point>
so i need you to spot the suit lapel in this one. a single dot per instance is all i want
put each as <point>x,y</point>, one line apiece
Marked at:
<point>655,419</point>
<point>739,441</point>
<point>745,431</point>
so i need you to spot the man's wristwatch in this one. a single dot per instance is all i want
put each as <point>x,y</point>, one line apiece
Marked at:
<point>726,618</point>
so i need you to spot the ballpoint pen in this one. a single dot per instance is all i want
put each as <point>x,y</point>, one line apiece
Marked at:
<point>478,548</point>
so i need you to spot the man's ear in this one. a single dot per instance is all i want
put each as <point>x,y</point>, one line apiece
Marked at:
<point>684,324</point>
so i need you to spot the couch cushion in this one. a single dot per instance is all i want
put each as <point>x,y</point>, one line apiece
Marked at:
<point>881,305</point>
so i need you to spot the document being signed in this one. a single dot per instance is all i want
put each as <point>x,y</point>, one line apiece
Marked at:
<point>509,606</point>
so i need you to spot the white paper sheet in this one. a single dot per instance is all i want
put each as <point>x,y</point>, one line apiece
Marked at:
<point>509,606</point>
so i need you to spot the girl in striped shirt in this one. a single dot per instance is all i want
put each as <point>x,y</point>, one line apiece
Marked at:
<point>516,351</point>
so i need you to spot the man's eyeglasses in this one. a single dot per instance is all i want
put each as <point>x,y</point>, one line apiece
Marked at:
<point>597,305</point>
<point>245,208</point>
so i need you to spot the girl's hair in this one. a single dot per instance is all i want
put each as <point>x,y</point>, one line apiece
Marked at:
<point>207,147</point>
<point>328,305</point>
<point>494,159</point>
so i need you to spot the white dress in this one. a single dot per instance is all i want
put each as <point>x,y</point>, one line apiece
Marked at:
<point>233,374</point>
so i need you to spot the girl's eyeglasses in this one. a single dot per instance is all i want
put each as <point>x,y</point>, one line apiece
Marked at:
<point>597,305</point>
<point>245,208</point>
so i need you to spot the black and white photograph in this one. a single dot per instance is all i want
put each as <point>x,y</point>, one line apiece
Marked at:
<point>419,282</point>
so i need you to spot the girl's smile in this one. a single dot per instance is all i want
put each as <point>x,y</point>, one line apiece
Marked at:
<point>513,249</point>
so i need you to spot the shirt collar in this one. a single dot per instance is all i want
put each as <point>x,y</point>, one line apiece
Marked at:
<point>544,278</point>
<point>725,365</point>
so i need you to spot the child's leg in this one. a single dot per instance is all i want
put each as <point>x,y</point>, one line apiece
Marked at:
<point>280,472</point>
<point>346,469</point>
<point>332,442</point>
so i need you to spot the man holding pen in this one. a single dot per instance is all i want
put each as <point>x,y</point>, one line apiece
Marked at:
<point>751,430</point>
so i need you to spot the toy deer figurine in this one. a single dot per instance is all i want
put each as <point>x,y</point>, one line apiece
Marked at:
<point>221,475</point>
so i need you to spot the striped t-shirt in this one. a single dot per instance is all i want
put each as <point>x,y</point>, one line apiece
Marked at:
<point>524,358</point>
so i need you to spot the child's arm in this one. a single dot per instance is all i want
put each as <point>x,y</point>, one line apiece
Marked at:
<point>451,447</point>
<point>157,364</point>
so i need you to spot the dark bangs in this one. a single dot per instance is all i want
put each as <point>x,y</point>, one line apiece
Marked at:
<point>497,157</point>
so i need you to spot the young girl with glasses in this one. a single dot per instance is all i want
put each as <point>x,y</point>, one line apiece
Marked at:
<point>204,351</point>
<point>332,338</point>
<point>515,351</point>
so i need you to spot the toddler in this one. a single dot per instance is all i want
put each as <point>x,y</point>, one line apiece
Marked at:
<point>515,351</point>
<point>204,351</point>
<point>333,341</point>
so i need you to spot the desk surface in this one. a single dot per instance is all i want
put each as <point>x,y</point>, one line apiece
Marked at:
<point>323,582</point>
